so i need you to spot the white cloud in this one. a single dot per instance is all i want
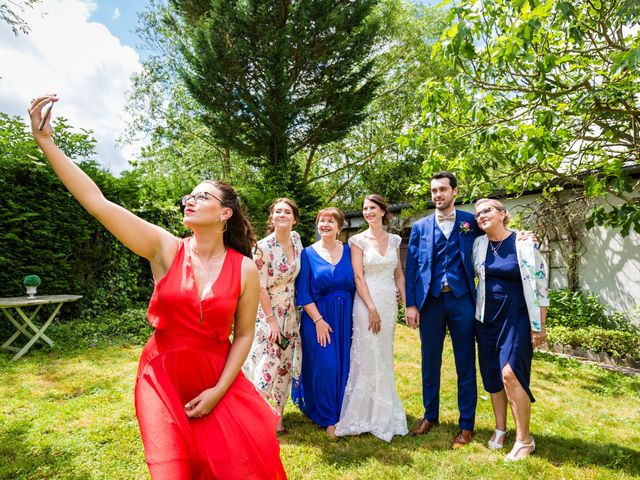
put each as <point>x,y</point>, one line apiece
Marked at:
<point>116,13</point>
<point>79,60</point>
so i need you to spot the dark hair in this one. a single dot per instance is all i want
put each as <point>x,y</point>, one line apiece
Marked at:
<point>382,203</point>
<point>332,212</point>
<point>239,233</point>
<point>452,178</point>
<point>294,210</point>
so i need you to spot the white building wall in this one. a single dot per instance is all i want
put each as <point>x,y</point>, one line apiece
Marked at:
<point>609,266</point>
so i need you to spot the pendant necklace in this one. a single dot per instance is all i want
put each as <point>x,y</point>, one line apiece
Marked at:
<point>495,248</point>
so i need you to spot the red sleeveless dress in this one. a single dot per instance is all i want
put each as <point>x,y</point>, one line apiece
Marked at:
<point>186,355</point>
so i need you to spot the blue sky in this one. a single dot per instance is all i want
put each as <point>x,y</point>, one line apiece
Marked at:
<point>121,18</point>
<point>83,50</point>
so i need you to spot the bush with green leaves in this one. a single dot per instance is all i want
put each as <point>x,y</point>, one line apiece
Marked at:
<point>616,343</point>
<point>575,309</point>
<point>45,229</point>
<point>110,328</point>
<point>31,281</point>
<point>579,319</point>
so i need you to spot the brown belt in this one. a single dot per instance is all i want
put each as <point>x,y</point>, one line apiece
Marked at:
<point>446,289</point>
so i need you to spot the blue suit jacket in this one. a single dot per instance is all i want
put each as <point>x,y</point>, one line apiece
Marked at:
<point>420,256</point>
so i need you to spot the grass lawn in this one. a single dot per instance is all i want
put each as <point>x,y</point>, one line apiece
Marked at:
<point>69,415</point>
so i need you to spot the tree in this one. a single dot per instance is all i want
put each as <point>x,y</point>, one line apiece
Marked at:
<point>367,159</point>
<point>11,11</point>
<point>543,94</point>
<point>370,158</point>
<point>274,78</point>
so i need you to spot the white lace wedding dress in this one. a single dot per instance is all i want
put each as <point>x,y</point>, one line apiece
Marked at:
<point>371,403</point>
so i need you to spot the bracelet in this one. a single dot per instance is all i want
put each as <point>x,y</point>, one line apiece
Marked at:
<point>317,319</point>
<point>271,315</point>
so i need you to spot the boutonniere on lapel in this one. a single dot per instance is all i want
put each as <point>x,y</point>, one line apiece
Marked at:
<point>465,227</point>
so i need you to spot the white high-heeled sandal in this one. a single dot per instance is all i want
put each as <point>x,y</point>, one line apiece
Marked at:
<point>494,444</point>
<point>511,457</point>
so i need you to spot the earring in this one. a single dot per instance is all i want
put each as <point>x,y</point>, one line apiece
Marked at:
<point>224,229</point>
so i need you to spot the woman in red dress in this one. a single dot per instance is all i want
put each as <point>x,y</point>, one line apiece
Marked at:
<point>199,417</point>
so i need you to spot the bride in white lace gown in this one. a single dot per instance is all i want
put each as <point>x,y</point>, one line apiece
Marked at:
<point>371,403</point>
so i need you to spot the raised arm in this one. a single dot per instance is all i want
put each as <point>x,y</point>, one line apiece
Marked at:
<point>143,238</point>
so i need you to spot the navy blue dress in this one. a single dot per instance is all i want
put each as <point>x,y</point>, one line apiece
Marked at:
<point>325,370</point>
<point>505,335</point>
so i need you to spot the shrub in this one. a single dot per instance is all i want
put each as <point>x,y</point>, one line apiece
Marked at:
<point>44,228</point>
<point>31,281</point>
<point>575,309</point>
<point>616,343</point>
<point>125,327</point>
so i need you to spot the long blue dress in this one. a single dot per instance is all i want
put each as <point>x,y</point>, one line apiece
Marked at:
<point>325,370</point>
<point>505,335</point>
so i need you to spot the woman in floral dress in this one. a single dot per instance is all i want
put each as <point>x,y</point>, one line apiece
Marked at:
<point>275,352</point>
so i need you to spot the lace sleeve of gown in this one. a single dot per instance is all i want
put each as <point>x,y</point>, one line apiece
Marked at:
<point>395,240</point>
<point>356,240</point>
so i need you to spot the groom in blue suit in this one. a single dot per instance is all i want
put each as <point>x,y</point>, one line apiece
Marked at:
<point>440,293</point>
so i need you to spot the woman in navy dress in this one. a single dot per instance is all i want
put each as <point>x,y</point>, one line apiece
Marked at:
<point>325,289</point>
<point>511,310</point>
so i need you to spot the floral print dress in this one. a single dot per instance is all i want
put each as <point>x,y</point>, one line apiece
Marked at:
<point>268,366</point>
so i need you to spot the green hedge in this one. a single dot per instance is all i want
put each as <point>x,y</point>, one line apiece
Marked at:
<point>617,343</point>
<point>44,231</point>
<point>580,320</point>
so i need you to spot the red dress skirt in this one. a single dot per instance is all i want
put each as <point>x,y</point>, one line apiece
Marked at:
<point>186,355</point>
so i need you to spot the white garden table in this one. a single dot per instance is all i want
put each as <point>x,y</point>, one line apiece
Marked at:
<point>27,327</point>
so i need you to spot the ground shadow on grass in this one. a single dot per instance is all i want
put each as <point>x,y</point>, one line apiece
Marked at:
<point>20,460</point>
<point>613,456</point>
<point>354,451</point>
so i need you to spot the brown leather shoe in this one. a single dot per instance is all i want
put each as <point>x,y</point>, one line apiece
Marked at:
<point>463,438</point>
<point>423,426</point>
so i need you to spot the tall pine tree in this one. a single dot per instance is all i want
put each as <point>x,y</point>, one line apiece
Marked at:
<point>277,78</point>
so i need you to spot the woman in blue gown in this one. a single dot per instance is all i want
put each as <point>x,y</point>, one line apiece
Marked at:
<point>511,308</point>
<point>325,289</point>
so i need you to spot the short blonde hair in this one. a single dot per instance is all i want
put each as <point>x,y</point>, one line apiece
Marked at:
<point>492,202</point>
<point>332,212</point>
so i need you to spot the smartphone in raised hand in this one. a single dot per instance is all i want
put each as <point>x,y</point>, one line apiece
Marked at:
<point>46,113</point>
